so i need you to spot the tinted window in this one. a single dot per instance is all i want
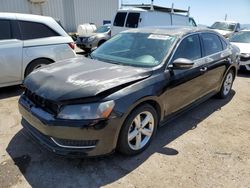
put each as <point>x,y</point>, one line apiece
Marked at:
<point>32,30</point>
<point>5,29</point>
<point>212,43</point>
<point>189,48</point>
<point>132,20</point>
<point>120,19</point>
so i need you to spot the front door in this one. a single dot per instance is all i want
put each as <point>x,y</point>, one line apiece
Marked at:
<point>186,86</point>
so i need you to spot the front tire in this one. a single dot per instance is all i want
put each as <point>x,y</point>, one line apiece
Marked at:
<point>226,85</point>
<point>138,130</point>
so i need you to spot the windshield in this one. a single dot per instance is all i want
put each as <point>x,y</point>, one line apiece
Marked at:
<point>102,29</point>
<point>242,37</point>
<point>136,49</point>
<point>223,26</point>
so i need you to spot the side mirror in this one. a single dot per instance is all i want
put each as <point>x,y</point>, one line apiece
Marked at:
<point>182,63</point>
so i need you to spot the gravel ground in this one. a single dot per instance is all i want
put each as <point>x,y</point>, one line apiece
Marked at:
<point>205,147</point>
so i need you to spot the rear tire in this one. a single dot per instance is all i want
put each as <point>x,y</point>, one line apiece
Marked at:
<point>35,65</point>
<point>226,85</point>
<point>138,130</point>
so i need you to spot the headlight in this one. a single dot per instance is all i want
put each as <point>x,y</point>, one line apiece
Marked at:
<point>87,111</point>
<point>90,39</point>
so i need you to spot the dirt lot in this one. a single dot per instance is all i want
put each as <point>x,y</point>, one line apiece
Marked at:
<point>208,146</point>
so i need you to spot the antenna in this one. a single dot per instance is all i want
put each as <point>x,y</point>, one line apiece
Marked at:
<point>226,17</point>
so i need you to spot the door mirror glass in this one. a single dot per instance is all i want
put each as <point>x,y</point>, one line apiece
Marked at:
<point>182,63</point>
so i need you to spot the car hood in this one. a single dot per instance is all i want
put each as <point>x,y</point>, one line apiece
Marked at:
<point>244,47</point>
<point>81,77</point>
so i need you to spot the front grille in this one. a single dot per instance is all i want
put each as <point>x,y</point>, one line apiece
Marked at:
<point>47,105</point>
<point>75,143</point>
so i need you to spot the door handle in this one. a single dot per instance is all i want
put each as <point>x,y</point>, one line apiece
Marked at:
<point>203,69</point>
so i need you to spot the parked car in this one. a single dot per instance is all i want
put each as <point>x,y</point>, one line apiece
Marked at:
<point>242,41</point>
<point>133,84</point>
<point>95,39</point>
<point>137,16</point>
<point>28,42</point>
<point>226,28</point>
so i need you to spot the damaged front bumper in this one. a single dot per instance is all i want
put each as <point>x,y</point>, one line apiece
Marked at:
<point>69,137</point>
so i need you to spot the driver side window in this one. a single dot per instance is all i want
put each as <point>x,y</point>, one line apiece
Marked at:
<point>189,48</point>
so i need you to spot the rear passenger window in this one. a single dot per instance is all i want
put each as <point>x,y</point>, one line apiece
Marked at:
<point>132,20</point>
<point>5,30</point>
<point>32,30</point>
<point>120,19</point>
<point>212,43</point>
<point>189,48</point>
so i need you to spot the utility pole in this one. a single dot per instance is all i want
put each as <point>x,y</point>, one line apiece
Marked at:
<point>152,5</point>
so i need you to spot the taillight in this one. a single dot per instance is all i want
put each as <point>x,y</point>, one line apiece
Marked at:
<point>72,45</point>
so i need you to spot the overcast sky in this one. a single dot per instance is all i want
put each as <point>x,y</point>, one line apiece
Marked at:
<point>208,11</point>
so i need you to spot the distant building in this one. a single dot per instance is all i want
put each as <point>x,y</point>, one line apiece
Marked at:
<point>71,13</point>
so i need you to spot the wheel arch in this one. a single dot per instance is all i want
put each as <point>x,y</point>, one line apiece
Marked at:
<point>101,42</point>
<point>147,100</point>
<point>30,63</point>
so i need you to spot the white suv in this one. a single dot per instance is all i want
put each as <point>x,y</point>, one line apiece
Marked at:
<point>28,42</point>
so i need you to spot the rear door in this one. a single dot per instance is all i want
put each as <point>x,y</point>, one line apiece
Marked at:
<point>216,57</point>
<point>10,53</point>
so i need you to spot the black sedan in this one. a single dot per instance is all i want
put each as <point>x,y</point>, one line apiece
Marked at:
<point>118,97</point>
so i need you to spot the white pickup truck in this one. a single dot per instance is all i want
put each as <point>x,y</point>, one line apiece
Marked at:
<point>136,16</point>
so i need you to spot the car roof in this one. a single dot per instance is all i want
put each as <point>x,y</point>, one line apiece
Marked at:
<point>20,16</point>
<point>170,30</point>
<point>49,21</point>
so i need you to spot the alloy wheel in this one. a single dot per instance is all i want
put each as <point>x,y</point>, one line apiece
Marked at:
<point>228,83</point>
<point>141,130</point>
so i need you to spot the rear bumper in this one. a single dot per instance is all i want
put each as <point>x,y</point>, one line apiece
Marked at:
<point>70,138</point>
